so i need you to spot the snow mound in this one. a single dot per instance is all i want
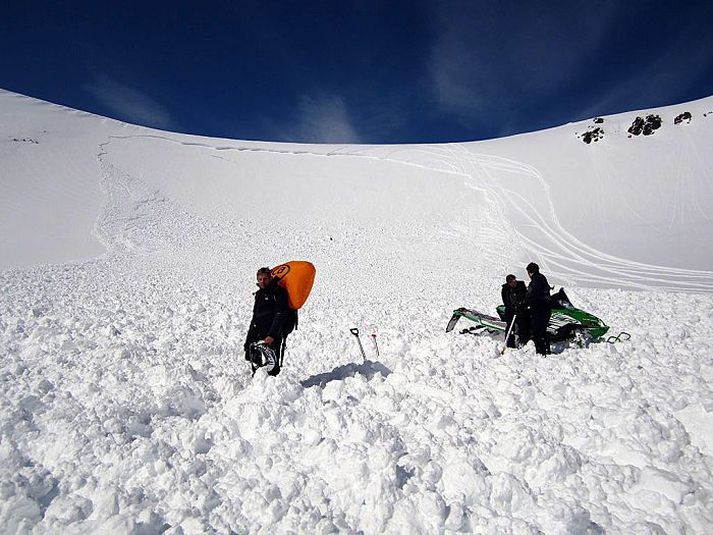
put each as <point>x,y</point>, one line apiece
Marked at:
<point>126,404</point>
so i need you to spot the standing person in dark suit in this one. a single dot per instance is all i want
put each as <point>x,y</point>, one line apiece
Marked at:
<point>272,317</point>
<point>538,299</point>
<point>514,294</point>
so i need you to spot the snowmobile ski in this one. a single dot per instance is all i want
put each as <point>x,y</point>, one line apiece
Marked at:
<point>482,320</point>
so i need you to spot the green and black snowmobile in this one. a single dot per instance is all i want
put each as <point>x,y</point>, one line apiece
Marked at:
<point>566,322</point>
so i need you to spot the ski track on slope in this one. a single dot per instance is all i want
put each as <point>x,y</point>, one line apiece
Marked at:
<point>579,260</point>
<point>127,406</point>
<point>563,255</point>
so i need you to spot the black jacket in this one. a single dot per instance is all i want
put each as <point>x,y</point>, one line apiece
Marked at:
<point>271,314</point>
<point>538,291</point>
<point>514,299</point>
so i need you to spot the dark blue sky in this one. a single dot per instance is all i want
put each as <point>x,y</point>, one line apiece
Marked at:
<point>362,71</point>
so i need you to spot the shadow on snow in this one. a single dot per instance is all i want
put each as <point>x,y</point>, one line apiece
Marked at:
<point>368,369</point>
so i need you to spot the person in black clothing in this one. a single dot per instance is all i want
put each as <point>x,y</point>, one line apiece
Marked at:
<point>538,299</point>
<point>272,318</point>
<point>514,296</point>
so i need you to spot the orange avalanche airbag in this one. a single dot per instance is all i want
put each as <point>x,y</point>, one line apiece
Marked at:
<point>297,277</point>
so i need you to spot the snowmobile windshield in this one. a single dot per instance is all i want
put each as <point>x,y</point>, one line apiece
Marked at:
<point>561,300</point>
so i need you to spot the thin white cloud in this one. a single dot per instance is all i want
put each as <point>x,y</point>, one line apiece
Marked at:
<point>131,105</point>
<point>487,56</point>
<point>676,67</point>
<point>321,119</point>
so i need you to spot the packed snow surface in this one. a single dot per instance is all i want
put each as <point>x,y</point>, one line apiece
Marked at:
<point>129,258</point>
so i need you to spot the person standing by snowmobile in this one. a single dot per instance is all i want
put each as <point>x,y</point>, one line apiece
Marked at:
<point>538,299</point>
<point>272,317</point>
<point>514,294</point>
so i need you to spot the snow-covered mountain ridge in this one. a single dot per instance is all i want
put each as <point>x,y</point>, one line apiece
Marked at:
<point>129,257</point>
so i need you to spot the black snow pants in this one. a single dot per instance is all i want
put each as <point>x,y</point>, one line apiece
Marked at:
<point>521,332</point>
<point>540,319</point>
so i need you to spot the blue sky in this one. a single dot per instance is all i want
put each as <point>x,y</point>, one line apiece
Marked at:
<point>361,72</point>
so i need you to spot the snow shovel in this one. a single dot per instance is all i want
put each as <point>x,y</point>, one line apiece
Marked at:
<point>507,336</point>
<point>355,332</point>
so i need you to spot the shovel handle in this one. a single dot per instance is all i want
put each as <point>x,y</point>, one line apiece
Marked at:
<point>354,331</point>
<point>507,335</point>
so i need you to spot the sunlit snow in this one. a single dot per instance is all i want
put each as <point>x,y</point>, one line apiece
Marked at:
<point>129,258</point>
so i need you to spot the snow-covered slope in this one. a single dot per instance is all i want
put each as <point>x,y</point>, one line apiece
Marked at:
<point>622,211</point>
<point>129,257</point>
<point>50,196</point>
